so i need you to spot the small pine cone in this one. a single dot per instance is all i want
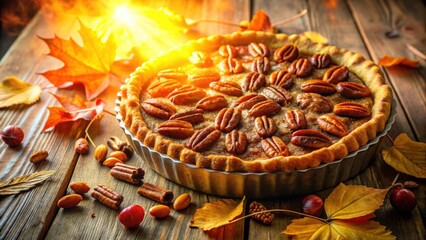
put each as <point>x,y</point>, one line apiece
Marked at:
<point>265,218</point>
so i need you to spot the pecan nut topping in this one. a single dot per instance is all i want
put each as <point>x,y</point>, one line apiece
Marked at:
<point>300,67</point>
<point>267,108</point>
<point>261,65</point>
<point>231,66</point>
<point>287,53</point>
<point>212,103</point>
<point>320,60</point>
<point>200,59</point>
<point>193,116</point>
<point>248,101</point>
<point>352,90</point>
<point>314,102</point>
<point>162,87</point>
<point>310,138</point>
<point>274,146</point>
<point>176,129</point>
<point>258,50</point>
<point>236,142</point>
<point>281,78</point>
<point>265,126</point>
<point>351,109</point>
<point>227,119</point>
<point>253,81</point>
<point>203,139</point>
<point>318,86</point>
<point>278,94</point>
<point>227,51</point>
<point>295,119</point>
<point>336,74</point>
<point>158,109</point>
<point>228,88</point>
<point>331,124</point>
<point>203,78</point>
<point>172,74</point>
<point>186,95</point>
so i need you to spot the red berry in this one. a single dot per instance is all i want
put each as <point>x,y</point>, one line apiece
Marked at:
<point>403,200</point>
<point>313,205</point>
<point>131,216</point>
<point>12,135</point>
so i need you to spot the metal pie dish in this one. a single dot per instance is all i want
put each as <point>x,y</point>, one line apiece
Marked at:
<point>258,185</point>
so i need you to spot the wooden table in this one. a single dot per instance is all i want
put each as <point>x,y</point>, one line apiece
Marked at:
<point>357,25</point>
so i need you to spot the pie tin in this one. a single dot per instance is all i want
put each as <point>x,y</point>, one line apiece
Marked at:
<point>258,185</point>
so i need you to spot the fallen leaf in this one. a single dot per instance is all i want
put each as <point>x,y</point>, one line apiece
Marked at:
<point>407,156</point>
<point>315,37</point>
<point>217,214</point>
<point>88,64</point>
<point>72,110</point>
<point>307,228</point>
<point>23,183</point>
<point>260,22</point>
<point>388,61</point>
<point>14,91</point>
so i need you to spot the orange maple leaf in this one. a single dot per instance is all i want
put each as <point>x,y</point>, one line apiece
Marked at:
<point>88,64</point>
<point>388,61</point>
<point>260,22</point>
<point>72,109</point>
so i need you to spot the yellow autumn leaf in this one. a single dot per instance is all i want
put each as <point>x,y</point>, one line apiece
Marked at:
<point>217,214</point>
<point>407,156</point>
<point>308,228</point>
<point>14,91</point>
<point>315,37</point>
<point>346,202</point>
<point>369,230</point>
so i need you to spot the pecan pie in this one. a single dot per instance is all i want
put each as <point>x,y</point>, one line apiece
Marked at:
<point>256,102</point>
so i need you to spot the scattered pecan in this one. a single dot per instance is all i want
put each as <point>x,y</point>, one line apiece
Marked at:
<point>261,65</point>
<point>318,86</point>
<point>295,119</point>
<point>107,196</point>
<point>336,74</point>
<point>156,193</point>
<point>193,116</point>
<point>265,126</point>
<point>351,109</point>
<point>101,152</point>
<point>258,50</point>
<point>172,74</point>
<point>127,173</point>
<point>265,218</point>
<point>287,53</point>
<point>200,59</point>
<point>310,138</point>
<point>236,142</point>
<point>227,51</point>
<point>281,78</point>
<point>231,66</point>
<point>227,119</point>
<point>158,109</point>
<point>118,145</point>
<point>203,139</point>
<point>186,95</point>
<point>81,146</point>
<point>314,102</point>
<point>274,146</point>
<point>320,60</point>
<point>162,87</point>
<point>212,103</point>
<point>204,77</point>
<point>248,101</point>
<point>352,90</point>
<point>333,125</point>
<point>267,108</point>
<point>228,88</point>
<point>300,67</point>
<point>176,129</point>
<point>278,94</point>
<point>253,81</point>
<point>39,156</point>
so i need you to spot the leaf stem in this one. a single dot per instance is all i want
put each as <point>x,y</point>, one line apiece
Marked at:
<point>394,180</point>
<point>279,210</point>
<point>390,139</point>
<point>285,21</point>
<point>87,130</point>
<point>110,113</point>
<point>416,52</point>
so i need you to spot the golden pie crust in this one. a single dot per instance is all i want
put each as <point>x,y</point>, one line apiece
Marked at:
<point>365,70</point>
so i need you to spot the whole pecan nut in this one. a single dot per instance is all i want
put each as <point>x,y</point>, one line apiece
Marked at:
<point>258,50</point>
<point>352,90</point>
<point>318,86</point>
<point>176,129</point>
<point>278,94</point>
<point>267,108</point>
<point>162,87</point>
<point>310,138</point>
<point>186,95</point>
<point>203,139</point>
<point>203,78</point>
<point>248,101</point>
<point>172,73</point>
<point>287,53</point>
<point>158,109</point>
<point>253,81</point>
<point>227,51</point>
<point>231,66</point>
<point>281,78</point>
<point>212,103</point>
<point>261,65</point>
<point>265,126</point>
<point>200,59</point>
<point>274,146</point>
<point>236,142</point>
<point>314,102</point>
<point>320,60</point>
<point>295,119</point>
<point>227,119</point>
<point>193,116</point>
<point>336,74</point>
<point>300,67</point>
<point>351,109</point>
<point>331,124</point>
<point>228,88</point>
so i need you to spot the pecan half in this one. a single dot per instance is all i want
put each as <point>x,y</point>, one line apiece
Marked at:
<point>186,95</point>
<point>278,94</point>
<point>352,90</point>
<point>265,126</point>
<point>314,102</point>
<point>286,53</point>
<point>212,103</point>
<point>236,142</point>
<point>351,109</point>
<point>203,78</point>
<point>320,60</point>
<point>281,78</point>
<point>274,146</point>
<point>295,119</point>
<point>203,139</point>
<point>231,66</point>
<point>253,81</point>
<point>162,87</point>
<point>176,129</point>
<point>336,74</point>
<point>200,59</point>
<point>248,101</point>
<point>318,86</point>
<point>158,109</point>
<point>228,88</point>
<point>227,51</point>
<point>267,108</point>
<point>227,119</point>
<point>258,50</point>
<point>193,116</point>
<point>261,65</point>
<point>333,125</point>
<point>310,138</point>
<point>300,67</point>
<point>172,74</point>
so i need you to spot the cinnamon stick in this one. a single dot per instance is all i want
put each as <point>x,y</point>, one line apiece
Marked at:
<point>127,173</point>
<point>107,196</point>
<point>156,193</point>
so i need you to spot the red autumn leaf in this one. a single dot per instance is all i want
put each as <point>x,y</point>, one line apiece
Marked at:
<point>88,64</point>
<point>260,22</point>
<point>388,61</point>
<point>72,110</point>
